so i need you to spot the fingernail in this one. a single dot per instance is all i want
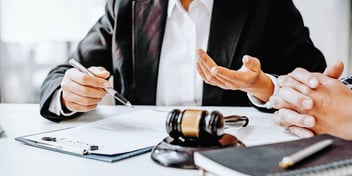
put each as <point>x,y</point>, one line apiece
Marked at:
<point>103,72</point>
<point>245,57</point>
<point>313,83</point>
<point>306,135</point>
<point>198,51</point>
<point>307,104</point>
<point>308,122</point>
<point>98,71</point>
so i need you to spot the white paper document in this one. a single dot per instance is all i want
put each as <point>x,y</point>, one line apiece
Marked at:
<point>119,134</point>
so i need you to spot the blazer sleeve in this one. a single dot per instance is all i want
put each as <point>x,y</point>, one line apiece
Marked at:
<point>287,28</point>
<point>93,49</point>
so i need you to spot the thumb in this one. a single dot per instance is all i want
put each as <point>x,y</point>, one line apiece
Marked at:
<point>100,72</point>
<point>335,70</point>
<point>251,63</point>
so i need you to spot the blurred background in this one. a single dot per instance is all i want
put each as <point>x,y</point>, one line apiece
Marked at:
<point>36,35</point>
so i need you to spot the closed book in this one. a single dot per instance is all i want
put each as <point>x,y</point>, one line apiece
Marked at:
<point>336,159</point>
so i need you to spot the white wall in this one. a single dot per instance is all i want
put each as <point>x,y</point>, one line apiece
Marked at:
<point>48,20</point>
<point>329,23</point>
<point>35,37</point>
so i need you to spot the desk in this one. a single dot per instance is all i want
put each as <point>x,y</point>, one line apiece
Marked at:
<point>23,119</point>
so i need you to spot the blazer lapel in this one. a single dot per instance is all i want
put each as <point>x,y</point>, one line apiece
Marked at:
<point>228,18</point>
<point>148,26</point>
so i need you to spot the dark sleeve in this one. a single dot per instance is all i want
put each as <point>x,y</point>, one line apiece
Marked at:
<point>347,82</point>
<point>299,45</point>
<point>93,50</point>
<point>291,41</point>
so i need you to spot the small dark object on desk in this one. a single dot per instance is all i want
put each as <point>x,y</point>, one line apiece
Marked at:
<point>53,139</point>
<point>93,147</point>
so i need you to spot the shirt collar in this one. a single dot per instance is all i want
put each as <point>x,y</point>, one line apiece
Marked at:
<point>173,3</point>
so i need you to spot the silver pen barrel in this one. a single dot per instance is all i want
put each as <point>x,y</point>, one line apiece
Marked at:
<point>118,96</point>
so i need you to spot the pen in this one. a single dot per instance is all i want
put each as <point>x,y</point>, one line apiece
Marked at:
<point>109,90</point>
<point>64,148</point>
<point>292,159</point>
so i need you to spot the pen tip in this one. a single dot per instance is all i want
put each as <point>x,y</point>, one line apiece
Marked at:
<point>283,165</point>
<point>129,104</point>
<point>286,162</point>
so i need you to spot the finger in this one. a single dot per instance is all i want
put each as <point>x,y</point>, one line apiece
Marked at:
<point>335,70</point>
<point>200,70</point>
<point>301,132</point>
<point>249,70</point>
<point>289,81</point>
<point>81,90</point>
<point>305,77</point>
<point>83,79</point>
<point>233,78</point>
<point>203,72</point>
<point>100,72</point>
<point>209,77</point>
<point>276,119</point>
<point>202,67</point>
<point>204,58</point>
<point>229,78</point>
<point>278,103</point>
<point>298,101</point>
<point>72,106</point>
<point>81,100</point>
<point>287,117</point>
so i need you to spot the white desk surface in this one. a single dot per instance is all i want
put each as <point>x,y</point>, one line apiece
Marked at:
<point>17,159</point>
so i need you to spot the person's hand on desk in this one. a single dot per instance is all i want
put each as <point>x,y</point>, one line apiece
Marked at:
<point>81,92</point>
<point>314,103</point>
<point>249,78</point>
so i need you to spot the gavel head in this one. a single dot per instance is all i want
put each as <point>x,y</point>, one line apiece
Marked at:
<point>192,124</point>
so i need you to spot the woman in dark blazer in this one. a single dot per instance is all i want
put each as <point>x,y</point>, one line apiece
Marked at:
<point>127,42</point>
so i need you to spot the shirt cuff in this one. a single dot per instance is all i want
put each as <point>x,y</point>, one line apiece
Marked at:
<point>56,106</point>
<point>256,102</point>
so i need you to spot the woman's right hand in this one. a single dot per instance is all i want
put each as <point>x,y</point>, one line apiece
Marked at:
<point>81,92</point>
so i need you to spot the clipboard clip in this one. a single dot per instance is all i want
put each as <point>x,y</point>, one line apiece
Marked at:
<point>57,146</point>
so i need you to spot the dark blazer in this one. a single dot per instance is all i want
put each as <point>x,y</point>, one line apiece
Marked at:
<point>127,41</point>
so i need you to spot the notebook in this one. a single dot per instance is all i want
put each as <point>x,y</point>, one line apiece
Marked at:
<point>264,159</point>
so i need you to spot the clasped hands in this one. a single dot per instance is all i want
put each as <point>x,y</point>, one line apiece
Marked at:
<point>314,103</point>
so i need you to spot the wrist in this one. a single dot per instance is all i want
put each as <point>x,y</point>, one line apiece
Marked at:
<point>64,108</point>
<point>263,88</point>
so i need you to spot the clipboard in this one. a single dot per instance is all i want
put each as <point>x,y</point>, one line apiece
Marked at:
<point>112,139</point>
<point>99,157</point>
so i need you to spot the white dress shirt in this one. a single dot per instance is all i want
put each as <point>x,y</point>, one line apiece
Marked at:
<point>179,82</point>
